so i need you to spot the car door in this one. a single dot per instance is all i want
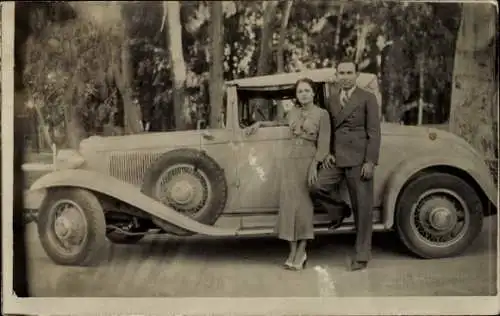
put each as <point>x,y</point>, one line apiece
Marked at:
<point>258,157</point>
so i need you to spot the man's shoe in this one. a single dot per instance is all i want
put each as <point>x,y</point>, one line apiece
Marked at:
<point>336,224</point>
<point>353,265</point>
<point>358,265</point>
<point>346,213</point>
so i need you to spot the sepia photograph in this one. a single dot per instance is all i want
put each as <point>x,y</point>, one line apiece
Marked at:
<point>263,149</point>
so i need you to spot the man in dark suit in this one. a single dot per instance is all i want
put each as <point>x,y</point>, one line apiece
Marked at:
<point>354,154</point>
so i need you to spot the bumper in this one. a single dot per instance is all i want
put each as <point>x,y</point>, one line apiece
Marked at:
<point>37,167</point>
<point>32,200</point>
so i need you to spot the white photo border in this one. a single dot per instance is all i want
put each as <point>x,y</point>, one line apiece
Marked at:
<point>186,306</point>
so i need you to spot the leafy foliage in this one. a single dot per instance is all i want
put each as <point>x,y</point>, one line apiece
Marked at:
<point>69,65</point>
<point>414,28</point>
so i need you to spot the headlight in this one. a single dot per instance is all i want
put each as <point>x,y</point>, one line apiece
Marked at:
<point>68,159</point>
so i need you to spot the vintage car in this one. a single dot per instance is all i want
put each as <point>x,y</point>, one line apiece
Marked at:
<point>431,187</point>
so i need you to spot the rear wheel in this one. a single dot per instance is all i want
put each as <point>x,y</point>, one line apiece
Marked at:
<point>72,227</point>
<point>438,215</point>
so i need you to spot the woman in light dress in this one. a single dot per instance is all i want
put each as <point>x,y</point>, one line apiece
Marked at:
<point>310,133</point>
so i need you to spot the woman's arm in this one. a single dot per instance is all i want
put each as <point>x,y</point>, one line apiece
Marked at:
<point>272,123</point>
<point>324,134</point>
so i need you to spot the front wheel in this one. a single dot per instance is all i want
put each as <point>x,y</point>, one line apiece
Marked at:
<point>438,215</point>
<point>72,227</point>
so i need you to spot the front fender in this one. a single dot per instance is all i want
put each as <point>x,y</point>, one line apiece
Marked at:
<point>119,190</point>
<point>476,168</point>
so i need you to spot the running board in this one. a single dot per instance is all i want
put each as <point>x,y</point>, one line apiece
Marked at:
<point>344,229</point>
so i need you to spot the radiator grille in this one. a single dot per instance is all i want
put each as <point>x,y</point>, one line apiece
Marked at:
<point>130,167</point>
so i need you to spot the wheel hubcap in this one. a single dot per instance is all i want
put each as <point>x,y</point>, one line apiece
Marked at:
<point>182,192</point>
<point>62,227</point>
<point>69,226</point>
<point>440,217</point>
<point>184,188</point>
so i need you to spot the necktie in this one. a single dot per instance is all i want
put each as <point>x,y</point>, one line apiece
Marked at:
<point>343,98</point>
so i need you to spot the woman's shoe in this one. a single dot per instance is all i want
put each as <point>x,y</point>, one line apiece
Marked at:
<point>289,262</point>
<point>301,265</point>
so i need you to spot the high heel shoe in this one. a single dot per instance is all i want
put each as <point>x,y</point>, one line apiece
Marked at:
<point>288,264</point>
<point>301,265</point>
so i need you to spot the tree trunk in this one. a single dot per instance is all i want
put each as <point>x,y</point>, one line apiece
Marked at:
<point>282,37</point>
<point>174,40</point>
<point>421,87</point>
<point>216,70</point>
<point>262,108</point>
<point>280,111</point>
<point>392,81</point>
<point>336,43</point>
<point>362,31</point>
<point>131,111</point>
<point>132,115</point>
<point>74,128</point>
<point>473,114</point>
<point>263,65</point>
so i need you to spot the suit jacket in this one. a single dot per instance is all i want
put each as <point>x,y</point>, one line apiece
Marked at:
<point>355,128</point>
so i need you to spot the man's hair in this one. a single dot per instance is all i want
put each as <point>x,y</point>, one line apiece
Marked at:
<point>347,60</point>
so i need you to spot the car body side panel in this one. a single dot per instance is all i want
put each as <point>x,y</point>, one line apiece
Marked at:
<point>129,194</point>
<point>220,147</point>
<point>394,149</point>
<point>476,168</point>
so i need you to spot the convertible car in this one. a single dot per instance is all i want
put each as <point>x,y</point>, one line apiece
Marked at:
<point>431,187</point>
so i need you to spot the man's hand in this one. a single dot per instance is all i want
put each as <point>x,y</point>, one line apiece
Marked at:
<point>367,170</point>
<point>329,161</point>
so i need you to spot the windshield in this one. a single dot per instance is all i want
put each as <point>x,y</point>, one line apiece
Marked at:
<point>268,104</point>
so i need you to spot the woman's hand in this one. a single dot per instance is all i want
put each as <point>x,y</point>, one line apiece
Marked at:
<point>313,174</point>
<point>252,128</point>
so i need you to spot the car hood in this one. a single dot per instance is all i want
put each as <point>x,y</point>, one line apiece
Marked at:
<point>395,129</point>
<point>142,141</point>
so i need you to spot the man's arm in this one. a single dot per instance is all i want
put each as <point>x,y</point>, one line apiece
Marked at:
<point>372,126</point>
<point>331,105</point>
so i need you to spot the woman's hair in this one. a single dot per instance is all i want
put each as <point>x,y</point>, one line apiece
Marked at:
<point>309,81</point>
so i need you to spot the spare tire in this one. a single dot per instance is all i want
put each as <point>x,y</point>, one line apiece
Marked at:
<point>190,182</point>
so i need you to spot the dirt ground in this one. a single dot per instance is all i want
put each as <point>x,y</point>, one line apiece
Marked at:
<point>251,267</point>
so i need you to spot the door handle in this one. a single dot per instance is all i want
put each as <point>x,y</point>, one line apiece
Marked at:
<point>207,135</point>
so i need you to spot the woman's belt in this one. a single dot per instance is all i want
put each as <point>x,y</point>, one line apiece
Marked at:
<point>299,140</point>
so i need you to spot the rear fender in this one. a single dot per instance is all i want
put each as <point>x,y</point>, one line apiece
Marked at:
<point>476,168</point>
<point>119,190</point>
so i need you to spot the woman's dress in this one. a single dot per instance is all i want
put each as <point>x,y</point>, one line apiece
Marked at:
<point>310,134</point>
